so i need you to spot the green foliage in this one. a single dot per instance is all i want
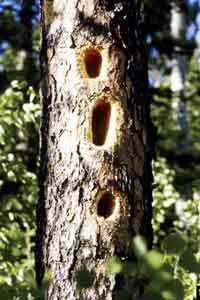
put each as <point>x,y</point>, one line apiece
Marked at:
<point>114,265</point>
<point>85,278</point>
<point>19,112</point>
<point>19,122</point>
<point>164,198</point>
<point>166,275</point>
<point>139,246</point>
<point>40,293</point>
<point>179,238</point>
<point>169,271</point>
<point>175,243</point>
<point>149,271</point>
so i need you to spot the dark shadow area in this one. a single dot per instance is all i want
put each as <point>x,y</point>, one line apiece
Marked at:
<point>106,205</point>
<point>93,62</point>
<point>100,122</point>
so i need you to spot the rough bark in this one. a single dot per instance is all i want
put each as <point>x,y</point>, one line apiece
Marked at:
<point>95,179</point>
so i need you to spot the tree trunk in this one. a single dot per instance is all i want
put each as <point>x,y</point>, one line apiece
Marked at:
<point>179,105</point>
<point>95,179</point>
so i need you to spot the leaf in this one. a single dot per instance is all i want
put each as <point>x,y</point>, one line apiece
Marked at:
<point>130,268</point>
<point>114,265</point>
<point>47,277</point>
<point>139,246</point>
<point>154,259</point>
<point>40,294</point>
<point>124,294</point>
<point>30,278</point>
<point>175,291</point>
<point>189,262</point>
<point>170,290</point>
<point>152,295</point>
<point>85,278</point>
<point>175,243</point>
<point>162,278</point>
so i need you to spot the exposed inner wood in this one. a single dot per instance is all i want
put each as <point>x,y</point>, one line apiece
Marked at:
<point>106,205</point>
<point>100,122</point>
<point>93,62</point>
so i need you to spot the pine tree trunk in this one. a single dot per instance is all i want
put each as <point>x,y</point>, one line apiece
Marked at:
<point>95,179</point>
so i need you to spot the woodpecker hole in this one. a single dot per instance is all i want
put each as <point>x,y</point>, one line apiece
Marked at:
<point>100,122</point>
<point>93,62</point>
<point>106,205</point>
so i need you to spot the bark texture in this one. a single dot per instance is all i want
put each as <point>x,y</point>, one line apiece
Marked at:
<point>96,147</point>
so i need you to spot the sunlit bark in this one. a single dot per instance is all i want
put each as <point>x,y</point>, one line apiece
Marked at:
<point>95,179</point>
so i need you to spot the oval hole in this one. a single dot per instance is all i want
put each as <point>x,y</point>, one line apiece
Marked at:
<point>93,61</point>
<point>100,122</point>
<point>106,205</point>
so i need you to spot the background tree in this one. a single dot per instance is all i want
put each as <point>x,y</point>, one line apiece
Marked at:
<point>175,205</point>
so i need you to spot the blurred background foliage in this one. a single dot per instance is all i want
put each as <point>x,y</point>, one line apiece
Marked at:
<point>171,270</point>
<point>19,124</point>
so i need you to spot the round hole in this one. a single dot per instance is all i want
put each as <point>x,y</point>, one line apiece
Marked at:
<point>100,122</point>
<point>93,61</point>
<point>106,205</point>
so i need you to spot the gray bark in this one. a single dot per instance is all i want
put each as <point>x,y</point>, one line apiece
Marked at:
<point>95,178</point>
